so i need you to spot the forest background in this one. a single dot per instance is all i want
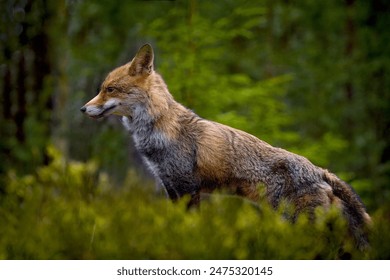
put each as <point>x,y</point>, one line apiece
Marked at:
<point>308,76</point>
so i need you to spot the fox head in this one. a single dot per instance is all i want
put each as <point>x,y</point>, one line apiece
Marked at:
<point>130,89</point>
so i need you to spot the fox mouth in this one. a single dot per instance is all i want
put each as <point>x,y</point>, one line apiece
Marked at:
<point>104,113</point>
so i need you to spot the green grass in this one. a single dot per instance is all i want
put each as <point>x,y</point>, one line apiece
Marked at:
<point>69,210</point>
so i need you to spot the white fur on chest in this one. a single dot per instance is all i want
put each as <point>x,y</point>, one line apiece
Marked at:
<point>127,124</point>
<point>154,140</point>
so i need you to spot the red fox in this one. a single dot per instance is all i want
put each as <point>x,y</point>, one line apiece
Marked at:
<point>191,155</point>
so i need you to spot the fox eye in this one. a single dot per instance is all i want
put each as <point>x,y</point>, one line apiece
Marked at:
<point>110,89</point>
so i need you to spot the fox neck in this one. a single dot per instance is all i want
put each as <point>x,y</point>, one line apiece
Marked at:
<point>148,135</point>
<point>153,124</point>
<point>155,103</point>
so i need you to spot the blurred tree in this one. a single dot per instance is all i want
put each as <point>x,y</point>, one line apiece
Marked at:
<point>26,84</point>
<point>310,77</point>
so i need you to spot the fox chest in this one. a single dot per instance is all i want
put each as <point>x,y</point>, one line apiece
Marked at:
<point>166,159</point>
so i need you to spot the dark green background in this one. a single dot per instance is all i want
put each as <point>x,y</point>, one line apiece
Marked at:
<point>309,76</point>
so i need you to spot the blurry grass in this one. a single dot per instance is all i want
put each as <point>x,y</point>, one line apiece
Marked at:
<point>68,210</point>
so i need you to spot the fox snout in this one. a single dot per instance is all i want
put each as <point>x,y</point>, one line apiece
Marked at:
<point>98,111</point>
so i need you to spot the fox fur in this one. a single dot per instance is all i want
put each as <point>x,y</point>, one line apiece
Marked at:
<point>191,155</point>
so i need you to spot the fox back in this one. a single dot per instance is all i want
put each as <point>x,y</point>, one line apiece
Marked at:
<point>191,155</point>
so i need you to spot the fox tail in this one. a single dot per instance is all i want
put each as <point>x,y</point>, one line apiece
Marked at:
<point>352,207</point>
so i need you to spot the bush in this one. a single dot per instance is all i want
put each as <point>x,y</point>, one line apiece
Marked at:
<point>69,210</point>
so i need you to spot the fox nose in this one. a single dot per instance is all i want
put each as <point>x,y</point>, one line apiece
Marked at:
<point>83,109</point>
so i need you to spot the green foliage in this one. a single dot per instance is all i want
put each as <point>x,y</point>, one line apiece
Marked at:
<point>311,77</point>
<point>68,210</point>
<point>202,73</point>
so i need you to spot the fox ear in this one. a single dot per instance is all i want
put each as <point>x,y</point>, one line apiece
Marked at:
<point>142,63</point>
